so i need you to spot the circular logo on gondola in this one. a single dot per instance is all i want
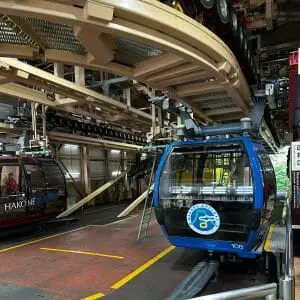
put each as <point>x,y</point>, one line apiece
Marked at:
<point>203,219</point>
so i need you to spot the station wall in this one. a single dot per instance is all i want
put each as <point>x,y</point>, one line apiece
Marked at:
<point>103,165</point>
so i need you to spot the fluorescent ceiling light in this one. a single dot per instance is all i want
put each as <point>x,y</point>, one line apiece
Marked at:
<point>115,151</point>
<point>115,173</point>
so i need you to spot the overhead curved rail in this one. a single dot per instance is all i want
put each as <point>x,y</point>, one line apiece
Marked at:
<point>141,39</point>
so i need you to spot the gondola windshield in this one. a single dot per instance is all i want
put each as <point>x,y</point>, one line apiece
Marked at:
<point>215,173</point>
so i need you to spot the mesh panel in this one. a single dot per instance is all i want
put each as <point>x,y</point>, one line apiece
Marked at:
<point>57,36</point>
<point>10,34</point>
<point>130,52</point>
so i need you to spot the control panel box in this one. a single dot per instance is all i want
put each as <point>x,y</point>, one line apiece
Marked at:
<point>295,156</point>
<point>295,181</point>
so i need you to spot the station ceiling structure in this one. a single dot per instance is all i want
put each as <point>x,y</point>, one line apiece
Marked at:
<point>143,41</point>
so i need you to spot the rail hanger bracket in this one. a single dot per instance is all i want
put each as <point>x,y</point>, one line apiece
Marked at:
<point>190,129</point>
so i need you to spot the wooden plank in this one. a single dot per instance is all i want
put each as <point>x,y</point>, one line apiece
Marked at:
<point>135,203</point>
<point>90,197</point>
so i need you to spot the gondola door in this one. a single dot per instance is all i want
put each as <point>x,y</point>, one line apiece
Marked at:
<point>56,193</point>
<point>35,187</point>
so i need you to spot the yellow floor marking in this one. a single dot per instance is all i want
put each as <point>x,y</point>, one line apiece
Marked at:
<point>41,239</point>
<point>83,252</point>
<point>93,297</point>
<point>61,233</point>
<point>269,238</point>
<point>112,223</point>
<point>142,268</point>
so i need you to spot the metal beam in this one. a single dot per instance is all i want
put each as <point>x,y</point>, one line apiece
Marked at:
<point>156,64</point>
<point>179,70</point>
<point>20,91</point>
<point>192,76</point>
<point>69,89</point>
<point>83,140</point>
<point>100,46</point>
<point>56,55</point>
<point>20,51</point>
<point>198,88</point>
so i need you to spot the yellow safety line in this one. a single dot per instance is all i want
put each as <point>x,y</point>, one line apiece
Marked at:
<point>41,239</point>
<point>269,238</point>
<point>82,252</point>
<point>142,268</point>
<point>94,297</point>
<point>59,234</point>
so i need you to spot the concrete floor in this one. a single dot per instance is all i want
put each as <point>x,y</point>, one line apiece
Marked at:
<point>86,260</point>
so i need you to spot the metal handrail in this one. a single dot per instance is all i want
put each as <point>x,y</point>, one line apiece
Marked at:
<point>269,291</point>
<point>287,281</point>
<point>289,257</point>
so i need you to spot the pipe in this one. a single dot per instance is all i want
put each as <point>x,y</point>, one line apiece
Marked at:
<point>287,282</point>
<point>269,291</point>
<point>196,280</point>
<point>232,128</point>
<point>289,270</point>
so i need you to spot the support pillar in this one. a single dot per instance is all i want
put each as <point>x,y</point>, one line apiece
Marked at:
<point>127,96</point>
<point>107,176</point>
<point>123,155</point>
<point>33,120</point>
<point>85,170</point>
<point>179,121</point>
<point>160,119</point>
<point>79,75</point>
<point>153,112</point>
<point>80,80</point>
<point>59,72</point>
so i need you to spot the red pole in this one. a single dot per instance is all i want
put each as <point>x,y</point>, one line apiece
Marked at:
<point>292,86</point>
